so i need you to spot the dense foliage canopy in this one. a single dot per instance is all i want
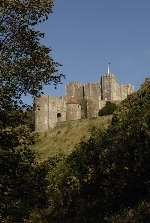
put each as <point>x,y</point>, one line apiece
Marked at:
<point>108,109</point>
<point>26,64</point>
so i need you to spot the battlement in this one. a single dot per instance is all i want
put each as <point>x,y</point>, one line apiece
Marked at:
<point>110,75</point>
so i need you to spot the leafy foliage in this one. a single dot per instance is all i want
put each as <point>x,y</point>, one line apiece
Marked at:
<point>108,109</point>
<point>139,214</point>
<point>25,63</point>
<point>23,184</point>
<point>25,66</point>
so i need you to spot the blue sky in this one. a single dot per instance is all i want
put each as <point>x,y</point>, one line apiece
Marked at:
<point>86,34</point>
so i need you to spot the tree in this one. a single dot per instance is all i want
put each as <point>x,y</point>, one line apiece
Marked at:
<point>26,65</point>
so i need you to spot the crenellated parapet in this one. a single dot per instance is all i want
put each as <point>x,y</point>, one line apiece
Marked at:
<point>74,92</point>
<point>92,90</point>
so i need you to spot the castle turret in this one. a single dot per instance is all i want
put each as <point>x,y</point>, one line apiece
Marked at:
<point>74,92</point>
<point>108,83</point>
<point>126,90</point>
<point>49,110</point>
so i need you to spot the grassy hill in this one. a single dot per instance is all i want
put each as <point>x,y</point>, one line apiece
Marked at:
<point>64,137</point>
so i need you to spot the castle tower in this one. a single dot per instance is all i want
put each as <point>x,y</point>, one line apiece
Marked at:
<point>125,90</point>
<point>74,92</point>
<point>76,101</point>
<point>110,88</point>
<point>49,110</point>
<point>42,114</point>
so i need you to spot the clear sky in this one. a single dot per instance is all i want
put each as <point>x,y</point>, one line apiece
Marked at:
<point>86,34</point>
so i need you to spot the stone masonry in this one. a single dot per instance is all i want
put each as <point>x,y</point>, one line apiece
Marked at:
<point>80,101</point>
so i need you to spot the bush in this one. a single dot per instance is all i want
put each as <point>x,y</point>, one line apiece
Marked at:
<point>108,109</point>
<point>139,214</point>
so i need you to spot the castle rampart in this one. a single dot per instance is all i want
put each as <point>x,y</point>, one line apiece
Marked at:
<point>80,101</point>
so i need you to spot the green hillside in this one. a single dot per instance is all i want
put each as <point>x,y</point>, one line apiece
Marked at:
<point>63,138</point>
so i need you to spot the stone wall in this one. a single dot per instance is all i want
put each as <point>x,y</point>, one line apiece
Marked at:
<point>125,90</point>
<point>73,111</point>
<point>115,90</point>
<point>92,90</point>
<point>41,114</point>
<point>92,107</point>
<point>74,92</point>
<point>106,84</point>
<point>49,111</point>
<point>102,103</point>
<point>57,110</point>
<point>112,90</point>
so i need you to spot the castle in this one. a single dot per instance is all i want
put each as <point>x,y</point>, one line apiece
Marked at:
<point>80,101</point>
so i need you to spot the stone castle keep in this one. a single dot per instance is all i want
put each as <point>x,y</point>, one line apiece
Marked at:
<point>80,101</point>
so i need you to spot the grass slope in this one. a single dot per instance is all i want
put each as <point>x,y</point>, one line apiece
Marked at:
<point>63,138</point>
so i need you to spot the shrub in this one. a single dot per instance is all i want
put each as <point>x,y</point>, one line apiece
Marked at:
<point>108,109</point>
